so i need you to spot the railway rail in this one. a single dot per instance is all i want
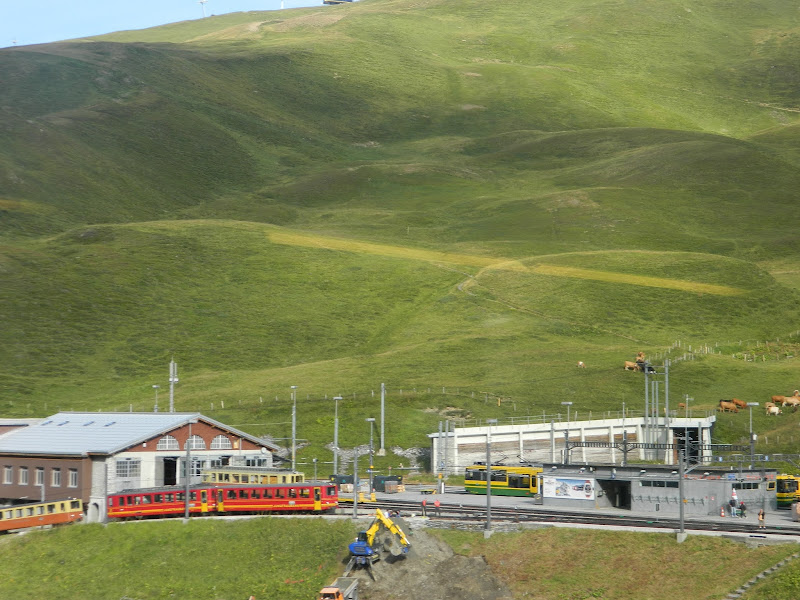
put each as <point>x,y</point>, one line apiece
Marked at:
<point>475,514</point>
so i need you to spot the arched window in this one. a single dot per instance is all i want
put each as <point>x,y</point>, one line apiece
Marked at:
<point>196,443</point>
<point>168,443</point>
<point>221,442</point>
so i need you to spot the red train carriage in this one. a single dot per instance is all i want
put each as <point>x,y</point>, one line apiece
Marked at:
<point>213,499</point>
<point>40,514</point>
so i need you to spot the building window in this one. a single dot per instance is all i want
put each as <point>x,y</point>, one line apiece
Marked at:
<point>55,478</point>
<point>8,474</point>
<point>196,443</point>
<point>221,442</point>
<point>745,485</point>
<point>669,484</point>
<point>126,469</point>
<point>39,476</point>
<point>195,469</point>
<point>256,461</point>
<point>168,443</point>
<point>23,475</point>
<point>73,478</point>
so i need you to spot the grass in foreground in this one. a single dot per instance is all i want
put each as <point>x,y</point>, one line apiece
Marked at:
<point>292,559</point>
<point>570,564</point>
<point>212,560</point>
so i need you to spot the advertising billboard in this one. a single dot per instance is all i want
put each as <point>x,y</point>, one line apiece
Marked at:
<point>569,489</point>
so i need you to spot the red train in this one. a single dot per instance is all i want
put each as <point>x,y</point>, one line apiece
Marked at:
<point>214,499</point>
<point>40,514</point>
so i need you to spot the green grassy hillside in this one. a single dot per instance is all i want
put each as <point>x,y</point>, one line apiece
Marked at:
<point>446,195</point>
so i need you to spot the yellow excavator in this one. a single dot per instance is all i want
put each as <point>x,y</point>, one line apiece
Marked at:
<point>383,535</point>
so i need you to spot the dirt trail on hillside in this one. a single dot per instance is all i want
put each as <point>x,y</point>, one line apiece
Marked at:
<point>431,571</point>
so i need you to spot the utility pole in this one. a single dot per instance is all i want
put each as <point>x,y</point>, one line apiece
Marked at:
<point>382,449</point>
<point>646,409</point>
<point>355,484</point>
<point>294,426</point>
<point>371,421</point>
<point>750,405</point>
<point>336,435</point>
<point>681,457</point>
<point>489,423</point>
<point>188,468</point>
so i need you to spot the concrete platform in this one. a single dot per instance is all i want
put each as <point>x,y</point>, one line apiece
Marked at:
<point>782,519</point>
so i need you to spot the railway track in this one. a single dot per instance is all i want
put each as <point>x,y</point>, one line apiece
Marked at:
<point>474,515</point>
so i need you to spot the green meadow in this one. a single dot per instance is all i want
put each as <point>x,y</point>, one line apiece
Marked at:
<point>459,199</point>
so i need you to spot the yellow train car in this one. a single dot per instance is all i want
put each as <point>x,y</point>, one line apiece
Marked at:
<point>788,490</point>
<point>506,481</point>
<point>251,475</point>
<point>40,514</point>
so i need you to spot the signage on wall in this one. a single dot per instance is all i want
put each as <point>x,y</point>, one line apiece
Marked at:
<point>570,489</point>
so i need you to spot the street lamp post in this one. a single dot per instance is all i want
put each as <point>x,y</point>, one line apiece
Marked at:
<point>315,469</point>
<point>681,502</point>
<point>355,484</point>
<point>156,387</point>
<point>371,421</point>
<point>294,427</point>
<point>750,405</point>
<point>566,433</point>
<point>489,423</point>
<point>188,469</point>
<point>336,435</point>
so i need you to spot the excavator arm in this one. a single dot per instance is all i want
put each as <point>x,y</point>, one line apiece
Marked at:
<point>394,539</point>
<point>382,534</point>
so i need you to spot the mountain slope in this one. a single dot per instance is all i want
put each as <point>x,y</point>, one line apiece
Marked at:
<point>439,193</point>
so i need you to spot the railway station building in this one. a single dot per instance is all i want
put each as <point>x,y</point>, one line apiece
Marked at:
<point>527,440</point>
<point>627,463</point>
<point>656,489</point>
<point>90,455</point>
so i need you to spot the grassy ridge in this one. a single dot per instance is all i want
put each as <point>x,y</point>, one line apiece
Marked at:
<point>319,76</point>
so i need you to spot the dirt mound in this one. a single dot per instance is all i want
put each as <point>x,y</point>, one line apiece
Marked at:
<point>431,571</point>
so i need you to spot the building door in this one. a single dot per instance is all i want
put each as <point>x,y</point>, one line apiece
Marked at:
<point>170,470</point>
<point>617,492</point>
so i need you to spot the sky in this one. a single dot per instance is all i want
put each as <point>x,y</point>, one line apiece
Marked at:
<point>24,22</point>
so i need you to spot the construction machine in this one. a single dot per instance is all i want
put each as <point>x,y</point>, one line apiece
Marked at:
<point>344,588</point>
<point>383,535</point>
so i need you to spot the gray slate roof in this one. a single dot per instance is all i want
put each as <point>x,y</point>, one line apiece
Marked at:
<point>73,433</point>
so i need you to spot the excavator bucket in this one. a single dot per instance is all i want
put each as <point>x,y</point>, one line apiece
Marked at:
<point>390,545</point>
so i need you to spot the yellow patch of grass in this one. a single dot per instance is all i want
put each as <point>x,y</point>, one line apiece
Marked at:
<point>22,206</point>
<point>643,280</point>
<point>504,264</point>
<point>314,241</point>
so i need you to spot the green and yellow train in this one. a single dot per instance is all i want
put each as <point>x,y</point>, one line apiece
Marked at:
<point>506,481</point>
